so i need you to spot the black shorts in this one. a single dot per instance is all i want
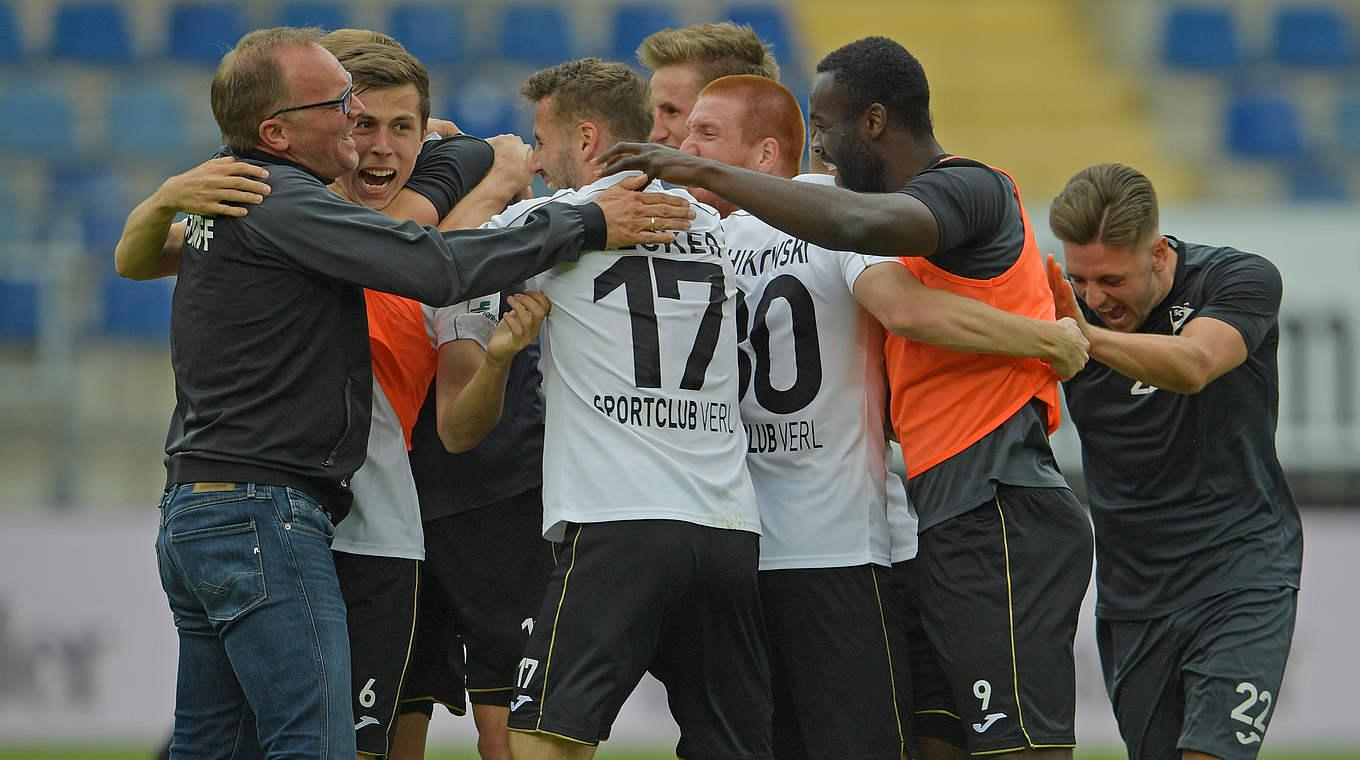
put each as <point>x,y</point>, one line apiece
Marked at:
<point>1205,678</point>
<point>380,601</point>
<point>837,648</point>
<point>670,597</point>
<point>999,590</point>
<point>935,715</point>
<point>490,566</point>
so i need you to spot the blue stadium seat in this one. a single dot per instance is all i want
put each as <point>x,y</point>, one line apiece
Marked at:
<point>136,310</point>
<point>633,23</point>
<point>1348,125</point>
<point>432,33</point>
<point>146,120</point>
<point>1317,180</point>
<point>10,34</point>
<point>328,16</point>
<point>535,34</point>
<point>1263,126</point>
<point>485,108</point>
<point>1200,37</point>
<point>771,25</point>
<point>203,32</point>
<point>1313,37</point>
<point>18,310</point>
<point>91,33</point>
<point>36,120</point>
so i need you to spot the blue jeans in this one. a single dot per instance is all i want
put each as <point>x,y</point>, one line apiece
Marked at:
<point>263,650</point>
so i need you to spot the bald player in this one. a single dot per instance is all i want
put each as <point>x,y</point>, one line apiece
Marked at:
<point>812,401</point>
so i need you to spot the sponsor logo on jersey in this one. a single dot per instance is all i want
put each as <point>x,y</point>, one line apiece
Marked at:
<point>1179,315</point>
<point>982,727</point>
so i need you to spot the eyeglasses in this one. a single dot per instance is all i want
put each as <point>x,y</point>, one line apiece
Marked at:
<point>344,101</point>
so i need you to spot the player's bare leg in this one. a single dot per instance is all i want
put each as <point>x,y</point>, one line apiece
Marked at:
<point>493,735</point>
<point>1190,754</point>
<point>1045,754</point>
<point>409,741</point>
<point>525,746</point>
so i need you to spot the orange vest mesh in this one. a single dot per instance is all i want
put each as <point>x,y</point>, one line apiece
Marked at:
<point>404,362</point>
<point>944,401</point>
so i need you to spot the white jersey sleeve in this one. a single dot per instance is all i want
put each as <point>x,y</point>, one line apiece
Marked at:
<point>640,381</point>
<point>813,400</point>
<point>449,323</point>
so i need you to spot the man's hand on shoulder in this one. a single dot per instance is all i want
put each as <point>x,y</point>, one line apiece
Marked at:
<point>655,160</point>
<point>206,189</point>
<point>635,217</point>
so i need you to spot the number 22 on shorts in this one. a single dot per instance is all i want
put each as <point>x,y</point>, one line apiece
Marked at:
<point>1239,713</point>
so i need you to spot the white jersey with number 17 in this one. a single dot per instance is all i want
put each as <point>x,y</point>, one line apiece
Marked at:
<point>640,380</point>
<point>814,402</point>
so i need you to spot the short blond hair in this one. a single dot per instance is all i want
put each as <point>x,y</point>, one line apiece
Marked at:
<point>343,40</point>
<point>250,82</point>
<point>717,50</point>
<point>379,64</point>
<point>770,111</point>
<point>1111,204</point>
<point>588,89</point>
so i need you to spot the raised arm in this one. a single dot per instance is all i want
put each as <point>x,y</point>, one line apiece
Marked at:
<point>150,244</point>
<point>907,308</point>
<point>470,383</point>
<point>1204,350</point>
<point>885,224</point>
<point>511,172</point>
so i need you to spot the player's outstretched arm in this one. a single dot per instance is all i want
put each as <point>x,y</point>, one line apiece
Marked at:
<point>511,172</point>
<point>470,382</point>
<point>905,307</point>
<point>885,224</point>
<point>150,244</point>
<point>1205,348</point>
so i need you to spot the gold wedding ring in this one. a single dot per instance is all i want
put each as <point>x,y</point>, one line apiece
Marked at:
<point>653,220</point>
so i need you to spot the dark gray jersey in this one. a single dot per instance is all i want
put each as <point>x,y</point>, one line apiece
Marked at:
<point>1187,494</point>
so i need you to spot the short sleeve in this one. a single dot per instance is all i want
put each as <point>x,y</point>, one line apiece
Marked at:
<point>853,265</point>
<point>1244,292</point>
<point>969,203</point>
<point>446,170</point>
<point>448,327</point>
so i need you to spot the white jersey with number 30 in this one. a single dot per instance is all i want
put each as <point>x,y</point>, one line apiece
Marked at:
<point>640,381</point>
<point>814,402</point>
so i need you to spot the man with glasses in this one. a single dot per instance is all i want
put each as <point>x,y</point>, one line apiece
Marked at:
<point>273,386</point>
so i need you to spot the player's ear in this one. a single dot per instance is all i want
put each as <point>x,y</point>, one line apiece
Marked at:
<point>273,134</point>
<point>588,138</point>
<point>769,154</point>
<point>874,121</point>
<point>1160,252</point>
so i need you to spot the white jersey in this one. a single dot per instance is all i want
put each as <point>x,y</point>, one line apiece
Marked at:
<point>384,520</point>
<point>902,520</point>
<point>640,381</point>
<point>813,399</point>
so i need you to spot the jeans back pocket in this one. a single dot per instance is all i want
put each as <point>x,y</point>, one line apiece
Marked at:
<point>222,566</point>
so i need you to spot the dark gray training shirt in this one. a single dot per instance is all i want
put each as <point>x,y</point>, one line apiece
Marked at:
<point>1187,493</point>
<point>269,332</point>
<point>981,236</point>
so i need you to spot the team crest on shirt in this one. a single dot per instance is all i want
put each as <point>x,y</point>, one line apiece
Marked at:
<point>1179,314</point>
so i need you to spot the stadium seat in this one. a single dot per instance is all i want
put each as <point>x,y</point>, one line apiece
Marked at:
<point>1200,37</point>
<point>772,26</point>
<point>328,16</point>
<point>534,34</point>
<point>1317,180</point>
<point>432,33</point>
<point>203,32</point>
<point>633,23</point>
<point>91,33</point>
<point>146,120</point>
<point>1313,37</point>
<point>485,108</point>
<point>37,121</point>
<point>10,34</point>
<point>136,310</point>
<point>1348,125</point>
<point>1263,126</point>
<point>18,310</point>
